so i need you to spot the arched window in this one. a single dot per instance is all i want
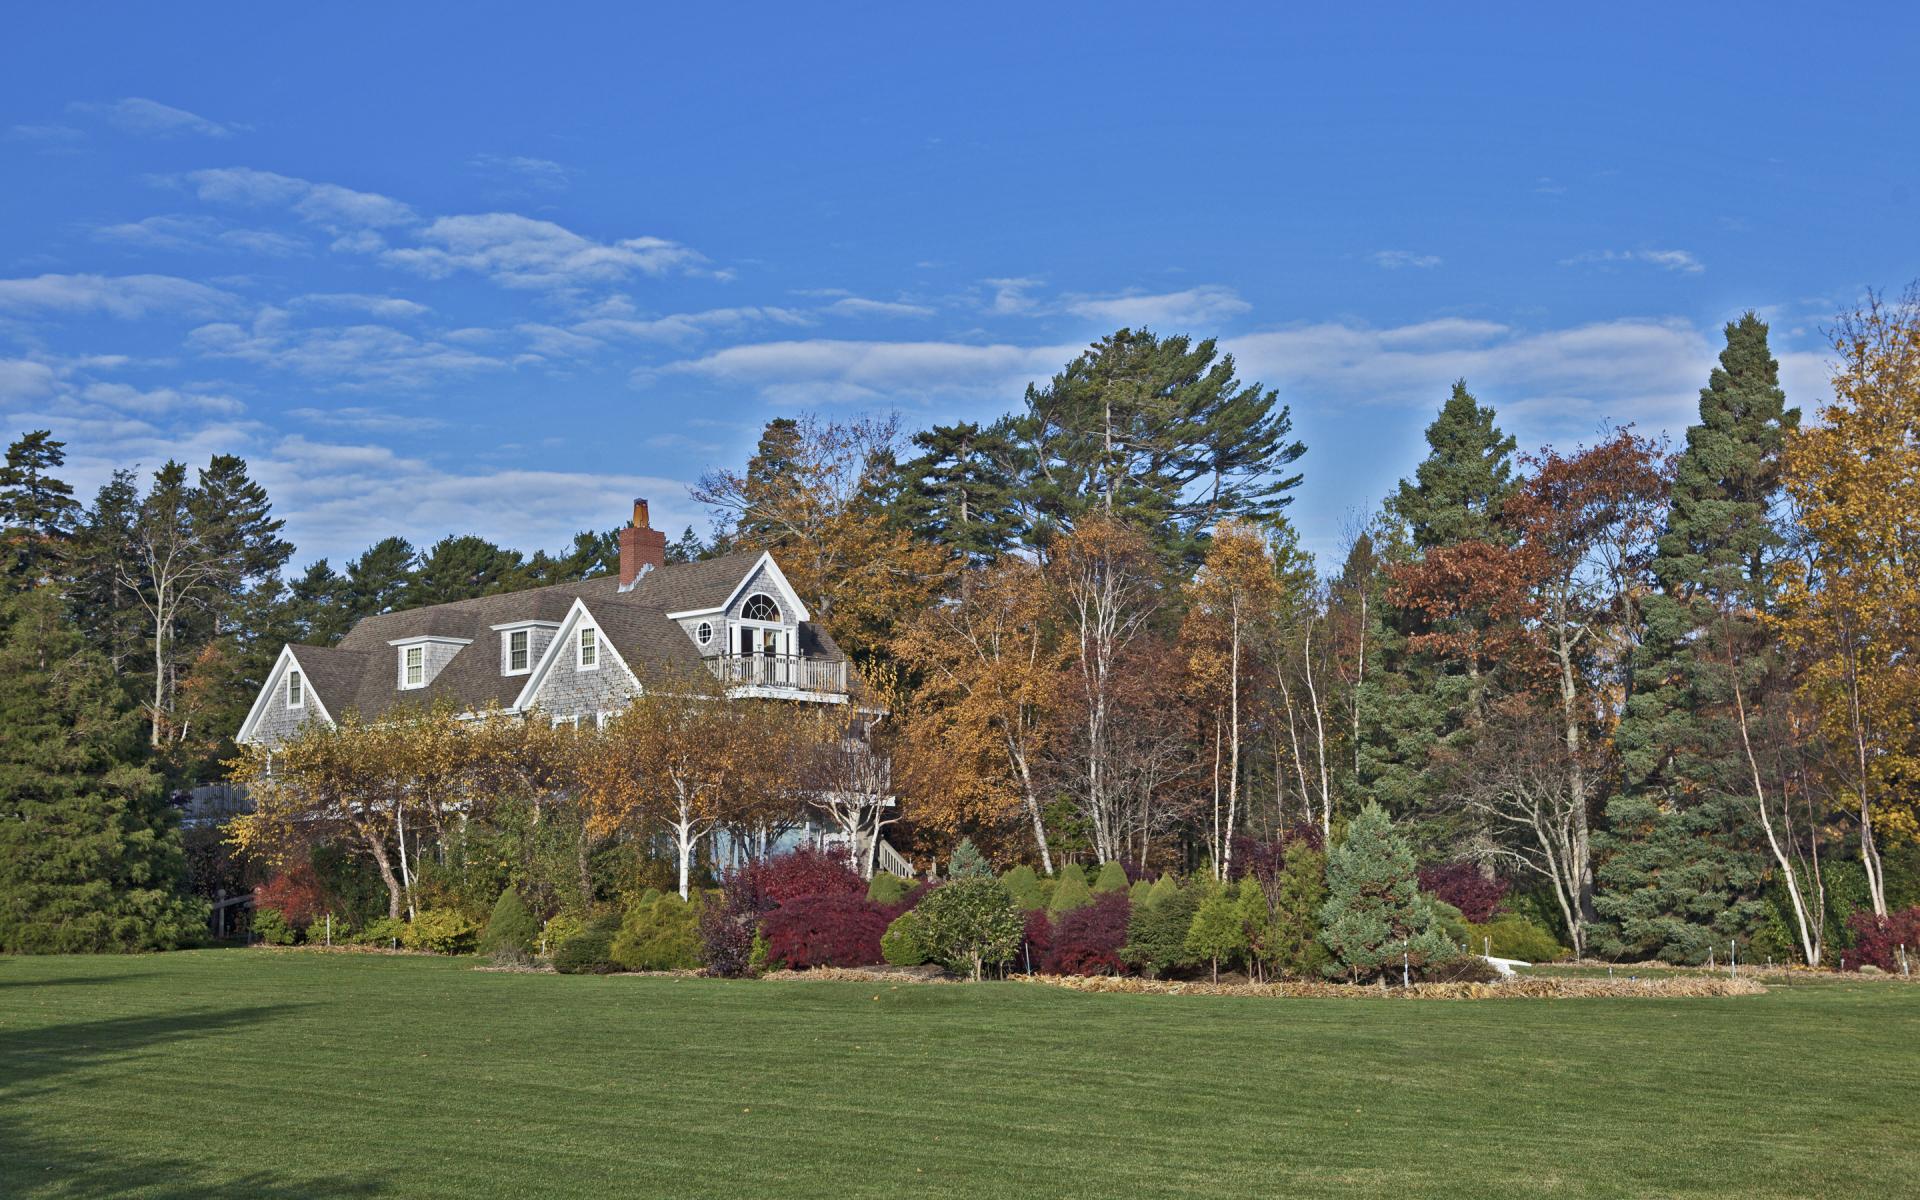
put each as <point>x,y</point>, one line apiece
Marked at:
<point>760,607</point>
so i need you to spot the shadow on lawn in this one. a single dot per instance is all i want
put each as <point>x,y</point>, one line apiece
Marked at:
<point>34,1064</point>
<point>73,980</point>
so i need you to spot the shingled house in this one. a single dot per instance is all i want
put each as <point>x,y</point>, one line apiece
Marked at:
<point>570,652</point>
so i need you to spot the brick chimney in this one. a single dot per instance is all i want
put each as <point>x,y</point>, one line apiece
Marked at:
<point>642,548</point>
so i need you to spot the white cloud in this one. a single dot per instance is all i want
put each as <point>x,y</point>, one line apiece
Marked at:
<point>125,296</point>
<point>1683,261</point>
<point>860,306</point>
<point>537,172</point>
<point>327,205</point>
<point>178,233</point>
<point>365,419</point>
<point>523,252</point>
<point>351,355</point>
<point>825,371</point>
<point>150,118</point>
<point>1393,260</point>
<point>1205,305</point>
<point>377,306</point>
<point>22,380</point>
<point>681,327</point>
<point>1010,296</point>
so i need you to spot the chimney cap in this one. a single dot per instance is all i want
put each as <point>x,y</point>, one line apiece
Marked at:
<point>640,512</point>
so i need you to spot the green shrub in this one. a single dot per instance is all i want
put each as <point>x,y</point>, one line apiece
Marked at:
<point>272,928</point>
<point>661,936</point>
<point>340,932</point>
<point>1137,893</point>
<point>1451,923</point>
<point>589,953</point>
<point>757,954</point>
<point>1070,892</point>
<point>904,944</point>
<point>1513,936</point>
<point>382,931</point>
<point>970,924</point>
<point>968,863</point>
<point>1023,884</point>
<point>888,889</point>
<point>1216,932</point>
<point>1157,930</point>
<point>511,929</point>
<point>441,931</point>
<point>1111,878</point>
<point>557,932</point>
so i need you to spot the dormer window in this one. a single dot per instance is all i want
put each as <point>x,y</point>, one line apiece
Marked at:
<point>760,607</point>
<point>296,690</point>
<point>519,652</point>
<point>589,655</point>
<point>413,666</point>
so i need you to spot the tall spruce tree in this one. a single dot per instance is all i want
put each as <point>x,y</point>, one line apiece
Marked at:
<point>89,858</point>
<point>1412,703</point>
<point>1682,867</point>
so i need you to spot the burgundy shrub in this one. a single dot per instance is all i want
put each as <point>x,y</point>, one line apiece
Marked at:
<point>1037,942</point>
<point>807,871</point>
<point>1466,888</point>
<point>1877,940</point>
<point>727,928</point>
<point>296,893</point>
<point>1087,941</point>
<point>825,930</point>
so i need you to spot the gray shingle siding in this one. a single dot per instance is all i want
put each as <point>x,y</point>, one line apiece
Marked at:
<point>568,691</point>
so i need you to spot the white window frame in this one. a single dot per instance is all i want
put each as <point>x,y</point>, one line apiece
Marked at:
<point>296,689</point>
<point>586,648</point>
<point>778,618</point>
<point>506,651</point>
<point>703,633</point>
<point>407,666</point>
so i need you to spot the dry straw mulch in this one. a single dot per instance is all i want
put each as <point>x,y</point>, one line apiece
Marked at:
<point>1542,988</point>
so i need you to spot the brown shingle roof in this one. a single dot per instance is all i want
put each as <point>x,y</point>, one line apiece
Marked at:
<point>361,672</point>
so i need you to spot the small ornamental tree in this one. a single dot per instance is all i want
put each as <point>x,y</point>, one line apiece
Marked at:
<point>1256,923</point>
<point>806,872</point>
<point>1157,929</point>
<point>1215,931</point>
<point>826,930</point>
<point>511,930</point>
<point>970,924</point>
<point>1466,887</point>
<point>296,893</point>
<point>1088,940</point>
<point>1877,940</point>
<point>1112,877</point>
<point>1374,911</point>
<point>1070,893</point>
<point>968,863</point>
<point>1293,934</point>
<point>1023,884</point>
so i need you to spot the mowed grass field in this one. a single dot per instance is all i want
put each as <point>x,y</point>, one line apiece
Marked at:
<point>249,1073</point>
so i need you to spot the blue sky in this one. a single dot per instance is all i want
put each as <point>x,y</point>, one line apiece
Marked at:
<point>473,269</point>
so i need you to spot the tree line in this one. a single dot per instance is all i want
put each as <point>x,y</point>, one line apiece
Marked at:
<point>1667,691</point>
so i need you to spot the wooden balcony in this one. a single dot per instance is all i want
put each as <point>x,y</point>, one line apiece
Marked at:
<point>782,672</point>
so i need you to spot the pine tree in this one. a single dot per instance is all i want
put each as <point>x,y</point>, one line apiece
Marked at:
<point>1455,494</point>
<point>37,510</point>
<point>1682,865</point>
<point>1374,911</point>
<point>461,568</point>
<point>89,858</point>
<point>960,491</point>
<point>1216,931</point>
<point>968,863</point>
<point>1022,884</point>
<point>511,930</point>
<point>377,580</point>
<point>1071,892</point>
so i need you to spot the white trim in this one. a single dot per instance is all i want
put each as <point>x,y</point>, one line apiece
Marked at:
<point>405,667</point>
<point>703,633</point>
<point>557,647</point>
<point>586,636</point>
<point>271,689</point>
<point>294,677</point>
<point>780,580</point>
<point>524,625</point>
<point>506,650</point>
<point>435,638</point>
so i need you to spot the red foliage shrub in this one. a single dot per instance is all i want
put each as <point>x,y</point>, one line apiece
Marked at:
<point>296,893</point>
<point>1463,886</point>
<point>1877,940</point>
<point>1037,943</point>
<point>824,930</point>
<point>804,872</point>
<point>1087,941</point>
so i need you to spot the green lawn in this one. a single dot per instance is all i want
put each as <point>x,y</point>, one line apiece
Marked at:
<point>236,1073</point>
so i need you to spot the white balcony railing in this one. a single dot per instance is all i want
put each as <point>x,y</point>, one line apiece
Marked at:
<point>788,671</point>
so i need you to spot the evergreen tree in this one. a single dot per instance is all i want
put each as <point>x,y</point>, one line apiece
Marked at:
<point>461,568</point>
<point>1023,885</point>
<point>377,580</point>
<point>1071,892</point>
<point>1455,494</point>
<point>1682,865</point>
<point>1112,878</point>
<point>960,491</point>
<point>1374,911</point>
<point>511,930</point>
<point>89,858</point>
<point>1216,931</point>
<point>1157,929</point>
<point>968,863</point>
<point>1160,433</point>
<point>1293,940</point>
<point>37,510</point>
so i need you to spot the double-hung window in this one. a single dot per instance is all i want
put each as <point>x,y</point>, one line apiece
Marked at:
<point>296,690</point>
<point>519,651</point>
<point>589,648</point>
<point>413,666</point>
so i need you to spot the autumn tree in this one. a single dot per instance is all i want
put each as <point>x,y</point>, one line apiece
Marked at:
<point>821,494</point>
<point>1854,610</point>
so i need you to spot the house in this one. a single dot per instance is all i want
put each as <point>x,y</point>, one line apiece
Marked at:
<point>569,652</point>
